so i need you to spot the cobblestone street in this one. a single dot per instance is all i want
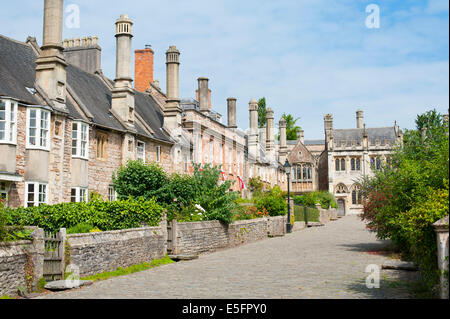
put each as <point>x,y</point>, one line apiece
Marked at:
<point>318,262</point>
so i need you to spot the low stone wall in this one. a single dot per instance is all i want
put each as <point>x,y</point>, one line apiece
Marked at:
<point>16,258</point>
<point>299,226</point>
<point>95,253</point>
<point>200,237</point>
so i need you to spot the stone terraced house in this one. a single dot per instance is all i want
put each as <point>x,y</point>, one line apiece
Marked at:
<point>65,128</point>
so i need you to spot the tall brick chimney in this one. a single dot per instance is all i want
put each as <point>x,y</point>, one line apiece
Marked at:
<point>203,94</point>
<point>143,68</point>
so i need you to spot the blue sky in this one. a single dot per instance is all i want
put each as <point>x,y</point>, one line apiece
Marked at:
<point>308,57</point>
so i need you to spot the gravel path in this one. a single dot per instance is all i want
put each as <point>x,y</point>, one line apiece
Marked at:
<point>318,262</point>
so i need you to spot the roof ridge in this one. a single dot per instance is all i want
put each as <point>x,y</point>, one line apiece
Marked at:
<point>13,40</point>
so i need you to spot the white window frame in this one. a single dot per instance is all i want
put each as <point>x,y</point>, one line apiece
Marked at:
<point>113,193</point>
<point>37,192</point>
<point>79,193</point>
<point>39,129</point>
<point>79,139</point>
<point>11,110</point>
<point>143,151</point>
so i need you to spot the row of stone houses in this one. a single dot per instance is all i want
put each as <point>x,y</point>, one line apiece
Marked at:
<point>65,128</point>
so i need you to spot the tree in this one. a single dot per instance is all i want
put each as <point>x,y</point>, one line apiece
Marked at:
<point>405,198</point>
<point>291,128</point>
<point>429,119</point>
<point>262,112</point>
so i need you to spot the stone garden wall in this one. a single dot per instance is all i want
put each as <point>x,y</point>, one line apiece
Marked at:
<point>19,259</point>
<point>200,237</point>
<point>95,253</point>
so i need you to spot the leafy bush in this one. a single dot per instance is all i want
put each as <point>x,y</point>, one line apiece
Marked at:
<point>104,215</point>
<point>80,228</point>
<point>256,185</point>
<point>404,199</point>
<point>325,199</point>
<point>138,179</point>
<point>273,202</point>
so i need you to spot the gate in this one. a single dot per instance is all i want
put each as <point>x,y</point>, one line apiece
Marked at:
<point>53,256</point>
<point>169,238</point>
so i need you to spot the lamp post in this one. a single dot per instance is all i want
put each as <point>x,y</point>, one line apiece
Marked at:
<point>287,168</point>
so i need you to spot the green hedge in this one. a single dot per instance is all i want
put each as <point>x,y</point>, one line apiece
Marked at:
<point>325,199</point>
<point>300,211</point>
<point>121,214</point>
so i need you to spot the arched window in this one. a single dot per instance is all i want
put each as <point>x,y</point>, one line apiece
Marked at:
<point>358,164</point>
<point>337,164</point>
<point>353,164</point>
<point>309,173</point>
<point>341,189</point>
<point>342,164</point>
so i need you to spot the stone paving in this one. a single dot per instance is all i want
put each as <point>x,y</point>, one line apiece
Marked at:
<point>318,262</point>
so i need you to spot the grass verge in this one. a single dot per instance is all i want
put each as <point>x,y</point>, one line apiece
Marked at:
<point>129,270</point>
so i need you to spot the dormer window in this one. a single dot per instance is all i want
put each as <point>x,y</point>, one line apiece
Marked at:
<point>80,140</point>
<point>38,129</point>
<point>8,121</point>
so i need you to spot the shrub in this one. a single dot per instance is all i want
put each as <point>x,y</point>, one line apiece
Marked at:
<point>80,228</point>
<point>138,179</point>
<point>256,185</point>
<point>104,215</point>
<point>404,199</point>
<point>325,199</point>
<point>273,202</point>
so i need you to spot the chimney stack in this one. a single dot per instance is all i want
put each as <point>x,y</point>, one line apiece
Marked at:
<point>283,142</point>
<point>253,136</point>
<point>301,136</point>
<point>270,139</point>
<point>122,102</point>
<point>172,111</point>
<point>231,103</point>
<point>359,119</point>
<point>86,57</point>
<point>203,94</point>
<point>50,65</point>
<point>143,68</point>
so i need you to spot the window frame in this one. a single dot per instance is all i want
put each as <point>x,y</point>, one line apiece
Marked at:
<point>38,134</point>
<point>36,194</point>
<point>79,140</point>
<point>11,108</point>
<point>112,192</point>
<point>78,194</point>
<point>143,150</point>
<point>104,138</point>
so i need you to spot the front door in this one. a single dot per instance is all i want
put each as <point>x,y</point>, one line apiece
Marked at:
<point>341,207</point>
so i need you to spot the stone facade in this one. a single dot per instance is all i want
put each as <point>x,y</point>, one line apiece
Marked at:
<point>209,236</point>
<point>441,228</point>
<point>352,154</point>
